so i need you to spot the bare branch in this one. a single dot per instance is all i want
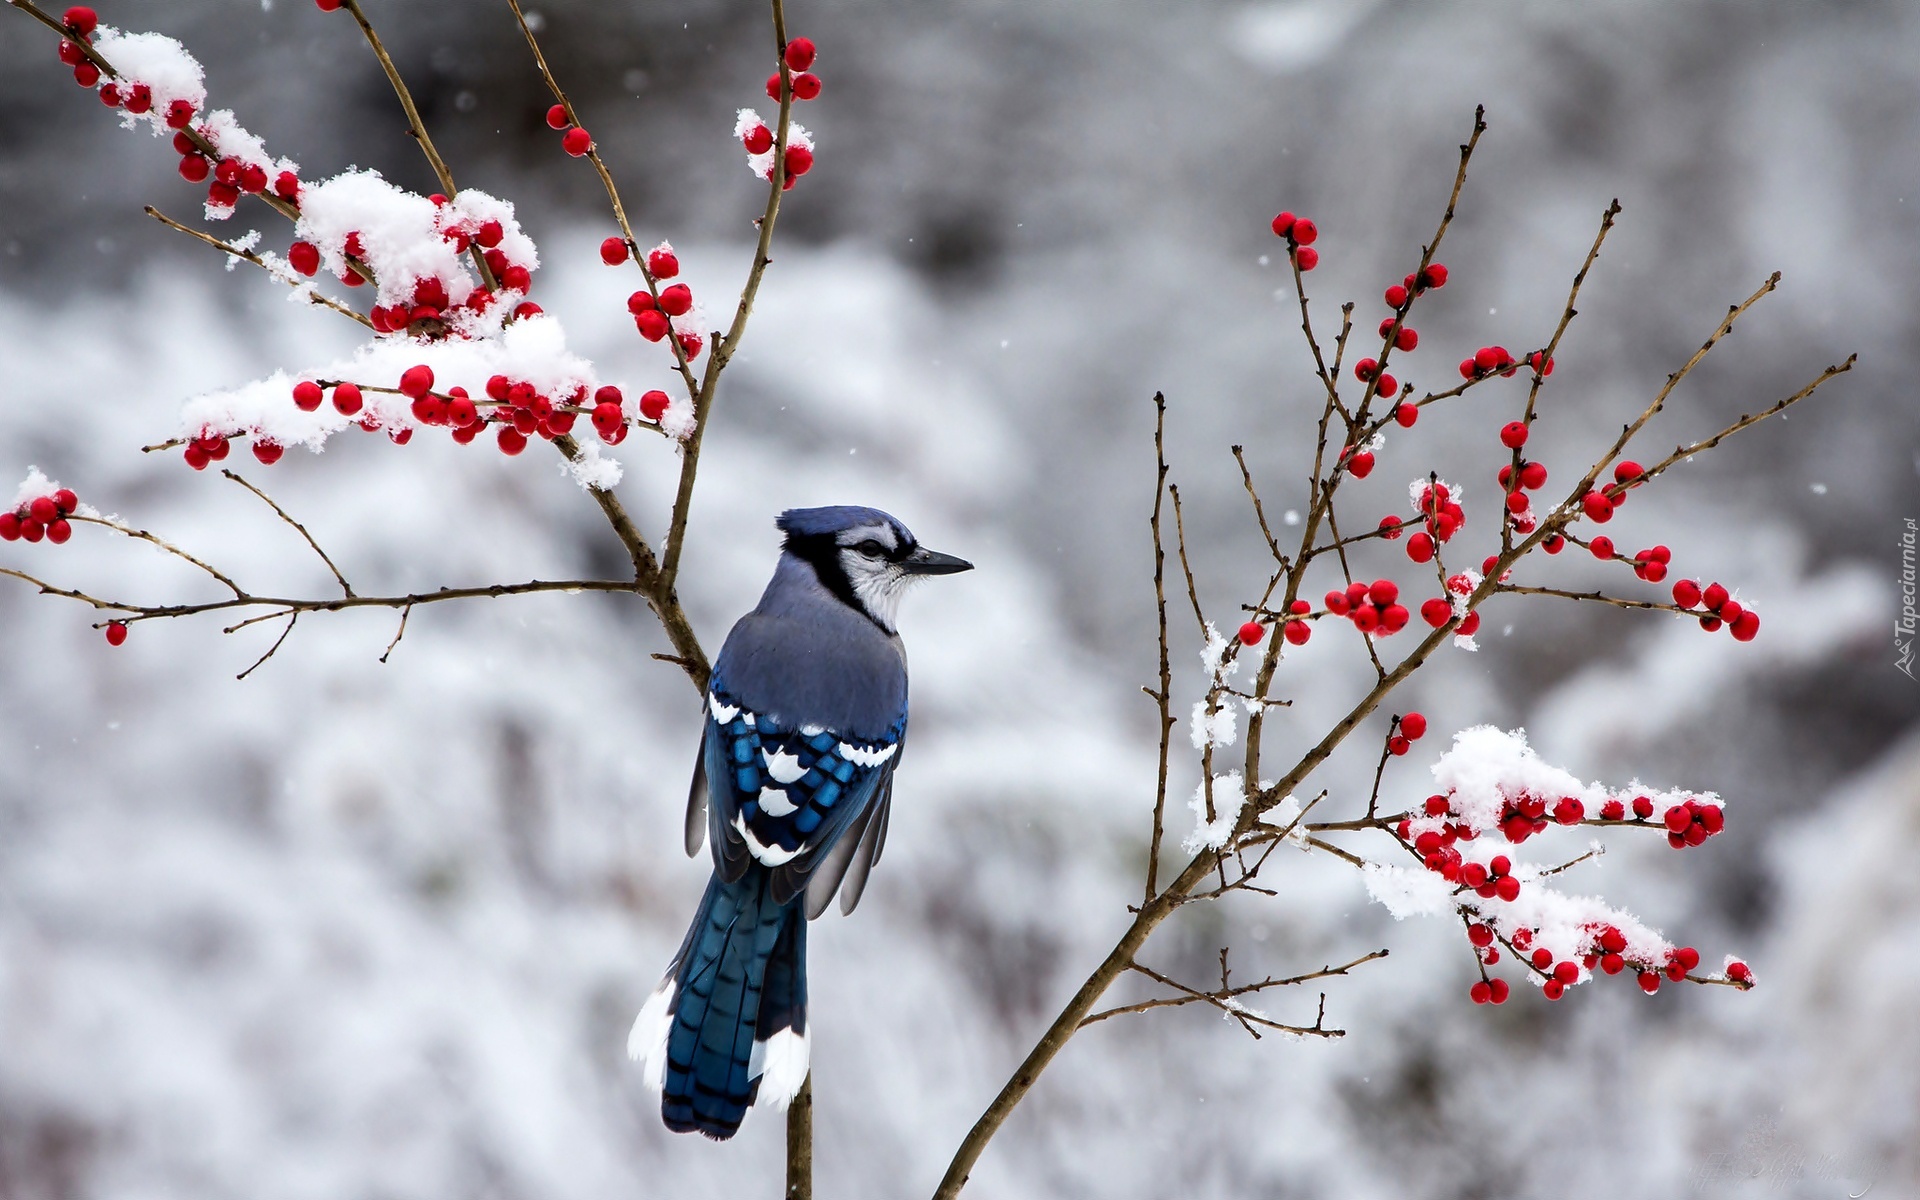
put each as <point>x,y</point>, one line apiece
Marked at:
<point>312,295</point>
<point>298,528</point>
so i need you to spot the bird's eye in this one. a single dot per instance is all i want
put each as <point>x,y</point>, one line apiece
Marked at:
<point>872,549</point>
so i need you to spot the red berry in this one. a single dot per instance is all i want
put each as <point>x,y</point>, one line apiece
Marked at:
<point>1414,725</point>
<point>1715,597</point>
<point>1468,369</point>
<point>806,86</point>
<point>1602,547</point>
<point>516,279</point>
<point>110,95</point>
<point>1597,506</point>
<point>1304,232</point>
<point>662,263</point>
<point>305,257</point>
<point>511,440</point>
<point>773,86</point>
<point>1434,276</point>
<point>1283,224</point>
<point>43,510</point>
<point>194,168</point>
<point>116,633</point>
<point>1436,612</point>
<point>1686,593</point>
<point>1407,339</point>
<point>1627,470</point>
<point>1739,972</point>
<point>1360,465</point>
<point>1252,632</point>
<point>1746,626</point>
<point>58,531</point>
<point>414,381</point>
<point>1569,811</point>
<point>1499,989</point>
<point>346,398</point>
<point>81,19</point>
<point>1481,992</point>
<point>557,117</point>
<point>1389,386</point>
<point>1678,818</point>
<point>675,301</point>
<point>652,324</point>
<point>690,344</point>
<point>1307,257</point>
<point>799,161</point>
<point>1396,296</point>
<point>307,395</point>
<point>1383,591</point>
<point>1297,632</point>
<point>70,53</point>
<point>613,251</point>
<point>757,140</point>
<point>1508,888</point>
<point>140,99</point>
<point>1420,547</point>
<point>1366,369</point>
<point>329,5</point>
<point>1732,611</point>
<point>575,141</point>
<point>65,501</point>
<point>1366,618</point>
<point>196,456</point>
<point>1513,434</point>
<point>653,405</point>
<point>799,55</point>
<point>1394,618</point>
<point>1566,972</point>
<point>222,195</point>
<point>267,452</point>
<point>86,74</point>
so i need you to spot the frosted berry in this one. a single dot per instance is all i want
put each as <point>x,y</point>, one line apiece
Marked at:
<point>757,140</point>
<point>414,381</point>
<point>653,405</point>
<point>613,251</point>
<point>346,398</point>
<point>799,55</point>
<point>1513,434</point>
<point>267,452</point>
<point>71,54</point>
<point>1739,972</point>
<point>557,117</point>
<point>1251,633</point>
<point>690,344</point>
<point>577,142</point>
<point>662,263</point>
<point>1569,811</point>
<point>179,114</point>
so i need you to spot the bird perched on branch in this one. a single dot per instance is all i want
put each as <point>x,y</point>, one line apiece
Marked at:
<point>806,717</point>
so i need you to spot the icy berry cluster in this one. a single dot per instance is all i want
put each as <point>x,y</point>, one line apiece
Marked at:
<point>41,516</point>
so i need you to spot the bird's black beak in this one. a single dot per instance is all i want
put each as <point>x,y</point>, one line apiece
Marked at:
<point>931,562</point>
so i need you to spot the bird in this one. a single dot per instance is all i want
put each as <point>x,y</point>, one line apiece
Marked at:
<point>806,719</point>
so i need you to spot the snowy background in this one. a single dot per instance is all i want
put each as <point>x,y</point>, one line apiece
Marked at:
<point>352,930</point>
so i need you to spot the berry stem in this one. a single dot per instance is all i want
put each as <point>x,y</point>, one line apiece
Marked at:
<point>313,295</point>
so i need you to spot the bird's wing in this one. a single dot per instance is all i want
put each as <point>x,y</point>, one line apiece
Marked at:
<point>787,797</point>
<point>861,860</point>
<point>696,826</point>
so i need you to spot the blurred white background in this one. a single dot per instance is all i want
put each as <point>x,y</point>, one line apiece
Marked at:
<point>352,930</point>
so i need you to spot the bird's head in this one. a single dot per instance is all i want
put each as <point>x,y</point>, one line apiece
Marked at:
<point>863,556</point>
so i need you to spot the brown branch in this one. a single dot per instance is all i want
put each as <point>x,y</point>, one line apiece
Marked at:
<point>1191,996</point>
<point>297,526</point>
<point>1602,598</point>
<point>312,294</point>
<point>169,547</point>
<point>613,192</point>
<point>1164,697</point>
<point>397,634</point>
<point>293,618</point>
<point>800,1143</point>
<point>1259,511</point>
<point>417,129</point>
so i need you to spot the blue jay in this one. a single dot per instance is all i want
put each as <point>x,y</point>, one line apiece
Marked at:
<point>806,716</point>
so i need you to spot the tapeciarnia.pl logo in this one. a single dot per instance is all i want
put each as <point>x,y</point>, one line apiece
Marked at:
<point>1904,625</point>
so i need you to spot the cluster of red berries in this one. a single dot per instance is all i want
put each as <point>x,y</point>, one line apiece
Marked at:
<point>1407,730</point>
<point>80,22</point>
<point>1295,628</point>
<point>1367,370</point>
<point>799,54</point>
<point>1490,360</point>
<point>1434,275</point>
<point>41,517</point>
<point>1438,610</point>
<point>610,418</point>
<point>1722,609</point>
<point>1300,233</point>
<point>1442,516</point>
<point>573,139</point>
<point>211,446</point>
<point>653,316</point>
<point>1373,608</point>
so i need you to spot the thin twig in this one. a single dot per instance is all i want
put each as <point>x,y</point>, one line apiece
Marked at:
<point>1164,697</point>
<point>293,618</point>
<point>169,547</point>
<point>397,634</point>
<point>313,295</point>
<point>298,528</point>
<point>1190,996</point>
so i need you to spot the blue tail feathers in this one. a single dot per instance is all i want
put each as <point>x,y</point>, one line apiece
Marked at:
<point>735,1009</point>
